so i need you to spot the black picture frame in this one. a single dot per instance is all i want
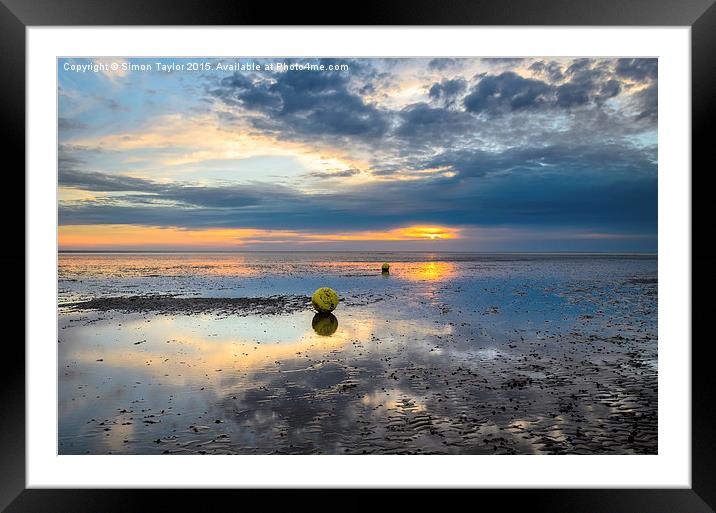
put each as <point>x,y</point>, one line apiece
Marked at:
<point>17,15</point>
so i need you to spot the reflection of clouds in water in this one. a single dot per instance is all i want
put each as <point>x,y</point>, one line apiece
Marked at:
<point>118,432</point>
<point>177,350</point>
<point>394,399</point>
<point>324,406</point>
<point>487,354</point>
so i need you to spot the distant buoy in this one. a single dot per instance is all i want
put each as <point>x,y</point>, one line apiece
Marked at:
<point>324,300</point>
<point>386,268</point>
<point>324,324</point>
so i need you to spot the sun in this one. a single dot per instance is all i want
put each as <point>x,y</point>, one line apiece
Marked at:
<point>430,232</point>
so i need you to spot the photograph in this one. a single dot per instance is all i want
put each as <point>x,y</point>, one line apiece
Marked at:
<point>357,255</point>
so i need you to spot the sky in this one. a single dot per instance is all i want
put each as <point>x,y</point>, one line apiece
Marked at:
<point>468,154</point>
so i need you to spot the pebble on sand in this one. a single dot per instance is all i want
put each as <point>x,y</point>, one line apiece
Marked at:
<point>324,300</point>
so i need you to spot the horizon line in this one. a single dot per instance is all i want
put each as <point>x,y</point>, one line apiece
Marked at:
<point>356,251</point>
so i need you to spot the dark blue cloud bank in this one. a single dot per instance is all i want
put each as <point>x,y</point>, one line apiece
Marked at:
<point>529,145</point>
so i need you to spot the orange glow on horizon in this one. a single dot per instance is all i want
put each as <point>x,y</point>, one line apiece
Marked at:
<point>134,236</point>
<point>430,232</point>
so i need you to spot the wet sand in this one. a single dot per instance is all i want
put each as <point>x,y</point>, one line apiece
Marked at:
<point>506,357</point>
<point>168,304</point>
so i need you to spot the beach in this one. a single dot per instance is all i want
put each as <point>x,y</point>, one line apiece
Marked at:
<point>448,353</point>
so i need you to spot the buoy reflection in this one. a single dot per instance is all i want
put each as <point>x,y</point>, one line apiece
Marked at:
<point>324,324</point>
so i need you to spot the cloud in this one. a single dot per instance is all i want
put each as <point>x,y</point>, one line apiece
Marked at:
<point>637,69</point>
<point>502,61</point>
<point>608,89</point>
<point>100,182</point>
<point>304,103</point>
<point>585,82</point>
<point>507,91</point>
<point>647,100</point>
<point>216,196</point>
<point>574,161</point>
<point>69,124</point>
<point>551,70</point>
<point>443,64</point>
<point>420,124</point>
<point>343,173</point>
<point>282,109</point>
<point>447,92</point>
<point>589,82</point>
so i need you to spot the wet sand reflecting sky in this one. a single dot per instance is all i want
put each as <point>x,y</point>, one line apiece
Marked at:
<point>447,354</point>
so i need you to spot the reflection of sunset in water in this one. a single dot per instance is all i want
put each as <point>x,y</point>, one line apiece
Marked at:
<point>427,271</point>
<point>148,265</point>
<point>178,350</point>
<point>173,352</point>
<point>151,267</point>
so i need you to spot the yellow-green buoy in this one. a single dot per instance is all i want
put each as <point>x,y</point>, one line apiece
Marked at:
<point>325,324</point>
<point>324,300</point>
<point>386,267</point>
